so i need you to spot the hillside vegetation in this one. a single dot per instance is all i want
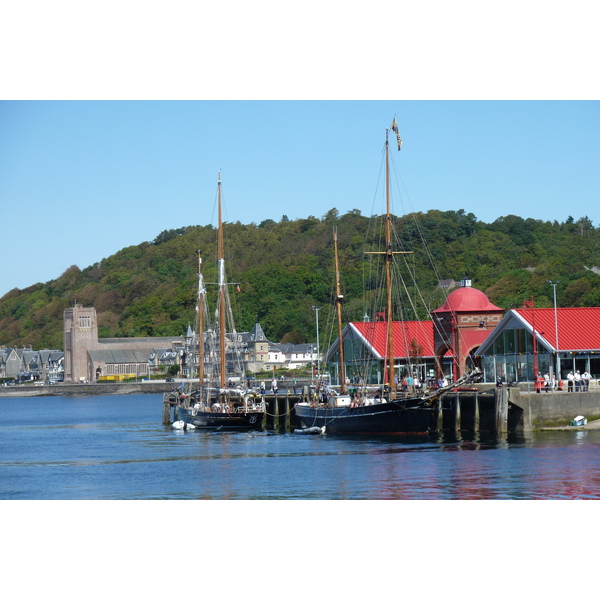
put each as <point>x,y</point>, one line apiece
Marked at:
<point>285,268</point>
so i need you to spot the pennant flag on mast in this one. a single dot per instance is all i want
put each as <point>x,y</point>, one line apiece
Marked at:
<point>394,128</point>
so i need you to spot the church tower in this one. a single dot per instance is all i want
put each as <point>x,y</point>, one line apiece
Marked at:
<point>80,334</point>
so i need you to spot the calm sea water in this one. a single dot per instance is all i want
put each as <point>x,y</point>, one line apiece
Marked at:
<point>115,447</point>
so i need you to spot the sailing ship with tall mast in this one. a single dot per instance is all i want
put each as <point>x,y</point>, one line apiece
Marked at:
<point>390,411</point>
<point>219,400</point>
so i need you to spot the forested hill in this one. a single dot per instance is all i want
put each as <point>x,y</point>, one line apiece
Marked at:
<point>285,268</point>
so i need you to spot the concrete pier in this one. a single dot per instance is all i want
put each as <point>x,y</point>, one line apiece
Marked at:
<point>509,410</point>
<point>553,409</point>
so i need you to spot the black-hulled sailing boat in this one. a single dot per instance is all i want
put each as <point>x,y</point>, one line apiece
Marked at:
<point>391,411</point>
<point>220,400</point>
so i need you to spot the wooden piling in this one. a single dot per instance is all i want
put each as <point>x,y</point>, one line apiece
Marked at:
<point>271,402</point>
<point>450,410</point>
<point>283,412</point>
<point>469,412</point>
<point>501,410</point>
<point>166,416</point>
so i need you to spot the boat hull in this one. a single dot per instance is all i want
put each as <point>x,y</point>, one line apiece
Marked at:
<point>221,421</point>
<point>401,417</point>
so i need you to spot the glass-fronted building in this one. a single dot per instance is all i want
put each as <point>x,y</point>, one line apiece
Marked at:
<point>529,341</point>
<point>365,345</point>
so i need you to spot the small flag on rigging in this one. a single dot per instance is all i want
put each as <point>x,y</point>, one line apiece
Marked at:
<point>394,128</point>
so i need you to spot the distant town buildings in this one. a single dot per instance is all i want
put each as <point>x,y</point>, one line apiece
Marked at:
<point>466,331</point>
<point>87,358</point>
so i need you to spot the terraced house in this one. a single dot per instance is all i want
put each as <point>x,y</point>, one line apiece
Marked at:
<point>25,364</point>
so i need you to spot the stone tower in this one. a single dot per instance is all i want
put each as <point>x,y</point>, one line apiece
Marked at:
<point>80,334</point>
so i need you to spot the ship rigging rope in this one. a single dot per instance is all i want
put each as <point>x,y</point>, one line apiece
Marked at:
<point>425,245</point>
<point>285,414</point>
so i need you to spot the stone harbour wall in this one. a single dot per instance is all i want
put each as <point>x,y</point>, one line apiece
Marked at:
<point>87,389</point>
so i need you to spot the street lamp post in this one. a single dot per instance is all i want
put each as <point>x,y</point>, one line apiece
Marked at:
<point>554,284</point>
<point>317,309</point>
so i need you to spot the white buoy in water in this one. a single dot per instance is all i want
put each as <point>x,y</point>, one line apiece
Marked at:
<point>182,425</point>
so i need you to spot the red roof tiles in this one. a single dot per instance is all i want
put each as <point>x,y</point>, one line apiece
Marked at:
<point>411,338</point>
<point>578,328</point>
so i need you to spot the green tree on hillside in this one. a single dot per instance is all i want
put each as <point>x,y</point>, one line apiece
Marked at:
<point>285,268</point>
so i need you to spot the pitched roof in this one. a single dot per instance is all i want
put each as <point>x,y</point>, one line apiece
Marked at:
<point>289,348</point>
<point>157,341</point>
<point>408,337</point>
<point>118,356</point>
<point>578,328</point>
<point>257,333</point>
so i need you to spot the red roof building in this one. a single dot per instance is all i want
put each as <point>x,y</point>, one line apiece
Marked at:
<point>510,353</point>
<point>429,349</point>
<point>365,351</point>
<point>468,330</point>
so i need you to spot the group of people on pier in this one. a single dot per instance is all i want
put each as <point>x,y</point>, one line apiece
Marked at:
<point>576,381</point>
<point>580,381</point>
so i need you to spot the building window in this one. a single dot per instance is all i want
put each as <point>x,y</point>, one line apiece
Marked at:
<point>85,322</point>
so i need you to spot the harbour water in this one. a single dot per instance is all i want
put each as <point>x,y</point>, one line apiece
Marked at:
<point>99,448</point>
<point>115,448</point>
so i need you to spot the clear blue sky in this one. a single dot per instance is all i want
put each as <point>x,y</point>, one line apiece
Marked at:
<point>292,106</point>
<point>80,180</point>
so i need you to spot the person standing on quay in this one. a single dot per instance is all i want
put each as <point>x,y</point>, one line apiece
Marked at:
<point>577,378</point>
<point>570,379</point>
<point>585,380</point>
<point>274,386</point>
<point>410,384</point>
